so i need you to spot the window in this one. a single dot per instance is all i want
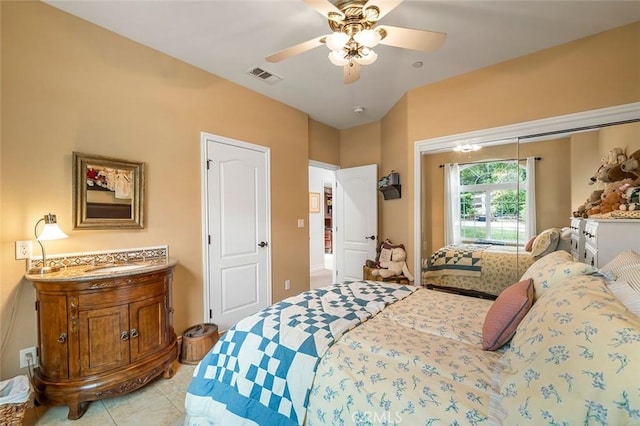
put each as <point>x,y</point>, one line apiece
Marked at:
<point>491,203</point>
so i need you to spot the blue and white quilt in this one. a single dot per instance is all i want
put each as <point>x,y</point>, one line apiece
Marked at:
<point>262,369</point>
<point>463,259</point>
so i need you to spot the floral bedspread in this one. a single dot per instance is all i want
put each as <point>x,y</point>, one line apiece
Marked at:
<point>419,362</point>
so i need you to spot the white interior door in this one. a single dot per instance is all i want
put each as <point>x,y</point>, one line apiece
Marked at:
<point>237,242</point>
<point>356,210</point>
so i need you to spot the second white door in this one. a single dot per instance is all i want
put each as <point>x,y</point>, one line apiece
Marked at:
<point>356,208</point>
<point>238,226</point>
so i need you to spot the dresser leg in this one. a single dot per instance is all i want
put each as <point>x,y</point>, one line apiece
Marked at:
<point>77,410</point>
<point>169,372</point>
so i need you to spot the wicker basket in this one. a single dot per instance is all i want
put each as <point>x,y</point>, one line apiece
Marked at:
<point>12,414</point>
<point>13,404</point>
<point>197,341</point>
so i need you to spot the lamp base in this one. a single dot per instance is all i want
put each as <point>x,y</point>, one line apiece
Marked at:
<point>44,270</point>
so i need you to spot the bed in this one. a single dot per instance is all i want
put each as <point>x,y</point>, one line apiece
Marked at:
<point>409,355</point>
<point>482,268</point>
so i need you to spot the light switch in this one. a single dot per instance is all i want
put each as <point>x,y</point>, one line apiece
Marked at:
<point>300,223</point>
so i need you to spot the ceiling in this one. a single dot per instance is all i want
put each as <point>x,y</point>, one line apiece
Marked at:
<point>229,37</point>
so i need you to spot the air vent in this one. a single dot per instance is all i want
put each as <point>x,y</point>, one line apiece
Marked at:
<point>264,75</point>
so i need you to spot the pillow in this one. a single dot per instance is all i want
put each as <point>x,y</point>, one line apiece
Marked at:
<point>529,246</point>
<point>505,314</point>
<point>625,261</point>
<point>574,360</point>
<point>545,243</point>
<point>628,295</point>
<point>553,269</point>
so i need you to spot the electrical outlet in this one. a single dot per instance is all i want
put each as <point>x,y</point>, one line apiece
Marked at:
<point>24,249</point>
<point>287,284</point>
<point>28,357</point>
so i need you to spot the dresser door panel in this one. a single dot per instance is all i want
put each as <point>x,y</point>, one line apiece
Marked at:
<point>148,324</point>
<point>104,339</point>
<point>54,345</point>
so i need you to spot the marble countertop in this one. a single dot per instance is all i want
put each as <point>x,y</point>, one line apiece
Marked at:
<point>104,271</point>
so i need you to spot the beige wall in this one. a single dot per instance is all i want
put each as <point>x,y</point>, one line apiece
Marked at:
<point>68,85</point>
<point>552,82</point>
<point>625,136</point>
<point>585,160</point>
<point>360,146</point>
<point>393,212</point>
<point>324,143</point>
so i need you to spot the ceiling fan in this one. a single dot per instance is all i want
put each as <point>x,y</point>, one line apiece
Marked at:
<point>355,33</point>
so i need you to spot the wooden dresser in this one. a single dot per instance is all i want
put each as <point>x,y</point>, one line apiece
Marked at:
<point>102,334</point>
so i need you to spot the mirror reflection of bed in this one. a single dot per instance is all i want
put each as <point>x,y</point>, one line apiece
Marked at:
<point>562,175</point>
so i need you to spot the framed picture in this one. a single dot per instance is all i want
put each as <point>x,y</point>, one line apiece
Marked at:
<point>314,202</point>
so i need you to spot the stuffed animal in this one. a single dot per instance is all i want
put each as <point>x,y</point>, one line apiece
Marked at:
<point>632,164</point>
<point>396,266</point>
<point>611,197</point>
<point>631,199</point>
<point>611,202</point>
<point>610,169</point>
<point>593,201</point>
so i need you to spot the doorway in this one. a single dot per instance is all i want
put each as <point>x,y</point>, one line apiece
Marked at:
<point>321,225</point>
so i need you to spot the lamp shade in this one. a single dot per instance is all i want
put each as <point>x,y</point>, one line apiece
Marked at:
<point>51,230</point>
<point>337,41</point>
<point>337,57</point>
<point>368,38</point>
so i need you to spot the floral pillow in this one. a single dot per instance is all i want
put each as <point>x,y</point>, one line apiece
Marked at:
<point>545,243</point>
<point>575,359</point>
<point>554,268</point>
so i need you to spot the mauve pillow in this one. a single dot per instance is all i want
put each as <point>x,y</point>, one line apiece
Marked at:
<point>529,246</point>
<point>505,314</point>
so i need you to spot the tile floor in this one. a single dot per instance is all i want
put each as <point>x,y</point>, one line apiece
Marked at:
<point>159,403</point>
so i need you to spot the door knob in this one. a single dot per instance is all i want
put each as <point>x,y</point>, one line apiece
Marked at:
<point>263,244</point>
<point>373,237</point>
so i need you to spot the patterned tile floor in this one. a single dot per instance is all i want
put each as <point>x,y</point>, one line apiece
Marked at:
<point>159,403</point>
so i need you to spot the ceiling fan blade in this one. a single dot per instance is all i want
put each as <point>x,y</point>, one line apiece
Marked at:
<point>407,38</point>
<point>351,72</point>
<point>295,50</point>
<point>384,6</point>
<point>326,9</point>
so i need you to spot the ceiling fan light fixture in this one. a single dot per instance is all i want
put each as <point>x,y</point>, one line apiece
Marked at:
<point>337,57</point>
<point>337,41</point>
<point>368,38</point>
<point>366,57</point>
<point>371,13</point>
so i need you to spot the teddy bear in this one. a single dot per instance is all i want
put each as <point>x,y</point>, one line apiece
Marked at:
<point>396,266</point>
<point>593,201</point>
<point>632,164</point>
<point>611,197</point>
<point>611,202</point>
<point>610,169</point>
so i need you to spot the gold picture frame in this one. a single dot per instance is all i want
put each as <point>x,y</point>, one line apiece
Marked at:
<point>314,202</point>
<point>108,193</point>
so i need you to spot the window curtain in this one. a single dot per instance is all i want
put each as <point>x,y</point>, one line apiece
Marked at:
<point>452,203</point>
<point>530,203</point>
